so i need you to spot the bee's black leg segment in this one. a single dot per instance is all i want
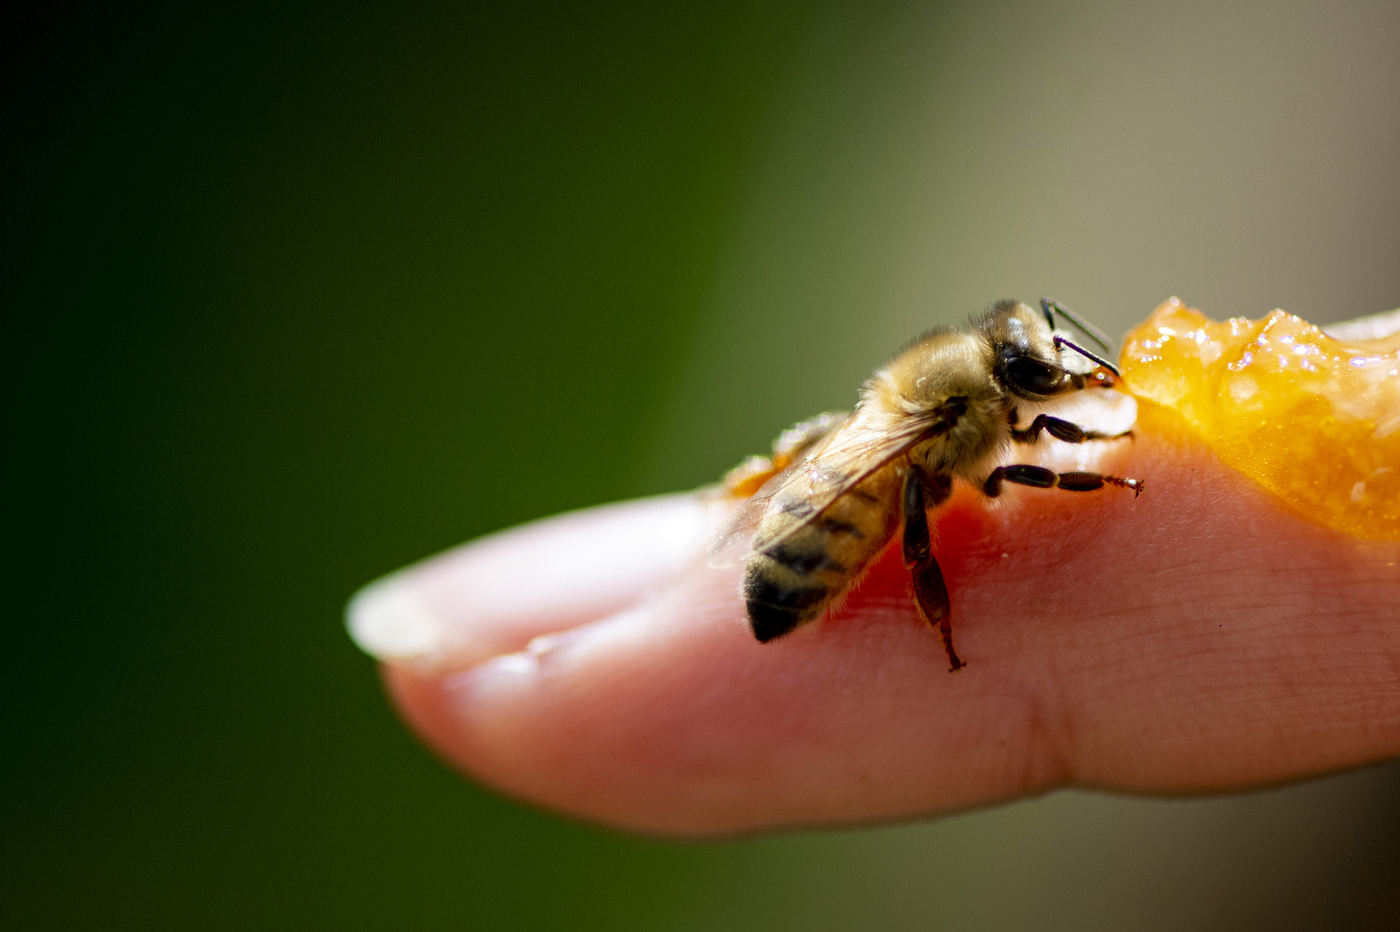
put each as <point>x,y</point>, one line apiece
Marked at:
<point>1056,427</point>
<point>1041,478</point>
<point>1035,476</point>
<point>922,491</point>
<point>930,594</point>
<point>916,540</point>
<point>1089,481</point>
<point>1060,429</point>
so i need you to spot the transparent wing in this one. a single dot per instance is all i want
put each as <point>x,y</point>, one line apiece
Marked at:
<point>862,445</point>
<point>735,536</point>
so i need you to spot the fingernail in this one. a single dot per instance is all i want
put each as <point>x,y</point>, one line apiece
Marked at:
<point>389,622</point>
<point>492,596</point>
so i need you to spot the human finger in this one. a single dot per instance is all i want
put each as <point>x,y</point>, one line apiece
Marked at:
<point>1198,638</point>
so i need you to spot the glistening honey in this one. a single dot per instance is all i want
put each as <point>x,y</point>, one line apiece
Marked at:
<point>1313,419</point>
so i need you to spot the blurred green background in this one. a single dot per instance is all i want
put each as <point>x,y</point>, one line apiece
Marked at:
<point>300,293</point>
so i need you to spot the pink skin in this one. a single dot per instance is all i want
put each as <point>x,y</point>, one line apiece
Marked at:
<point>1199,638</point>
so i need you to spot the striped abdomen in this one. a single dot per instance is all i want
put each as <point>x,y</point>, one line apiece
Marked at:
<point>794,581</point>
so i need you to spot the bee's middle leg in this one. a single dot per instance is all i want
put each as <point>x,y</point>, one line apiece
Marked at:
<point>1038,477</point>
<point>921,492</point>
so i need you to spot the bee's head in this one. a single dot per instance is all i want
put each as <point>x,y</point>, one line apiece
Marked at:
<point>1024,358</point>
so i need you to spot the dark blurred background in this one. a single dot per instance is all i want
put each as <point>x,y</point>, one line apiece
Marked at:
<point>299,293</point>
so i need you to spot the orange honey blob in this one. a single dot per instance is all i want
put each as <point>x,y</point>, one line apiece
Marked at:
<point>1315,420</point>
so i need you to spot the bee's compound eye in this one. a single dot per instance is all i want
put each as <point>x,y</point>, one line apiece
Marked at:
<point>1034,376</point>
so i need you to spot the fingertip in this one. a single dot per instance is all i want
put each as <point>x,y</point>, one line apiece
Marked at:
<point>493,595</point>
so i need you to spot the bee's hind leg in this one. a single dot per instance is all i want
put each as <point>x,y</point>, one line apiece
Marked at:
<point>921,492</point>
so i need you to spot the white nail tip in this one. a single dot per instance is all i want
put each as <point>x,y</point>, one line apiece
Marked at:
<point>389,622</point>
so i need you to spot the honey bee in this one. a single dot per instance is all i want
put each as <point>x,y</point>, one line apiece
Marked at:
<point>838,486</point>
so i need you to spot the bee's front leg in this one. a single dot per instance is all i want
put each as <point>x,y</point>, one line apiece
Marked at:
<point>921,492</point>
<point>1058,428</point>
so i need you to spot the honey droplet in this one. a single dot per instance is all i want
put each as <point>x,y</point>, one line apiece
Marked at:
<point>1314,419</point>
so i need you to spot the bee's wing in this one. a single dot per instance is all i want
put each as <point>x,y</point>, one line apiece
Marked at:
<point>734,540</point>
<point>848,456</point>
<point>735,535</point>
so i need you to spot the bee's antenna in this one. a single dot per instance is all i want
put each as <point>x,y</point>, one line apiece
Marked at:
<point>1061,341</point>
<point>1052,307</point>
